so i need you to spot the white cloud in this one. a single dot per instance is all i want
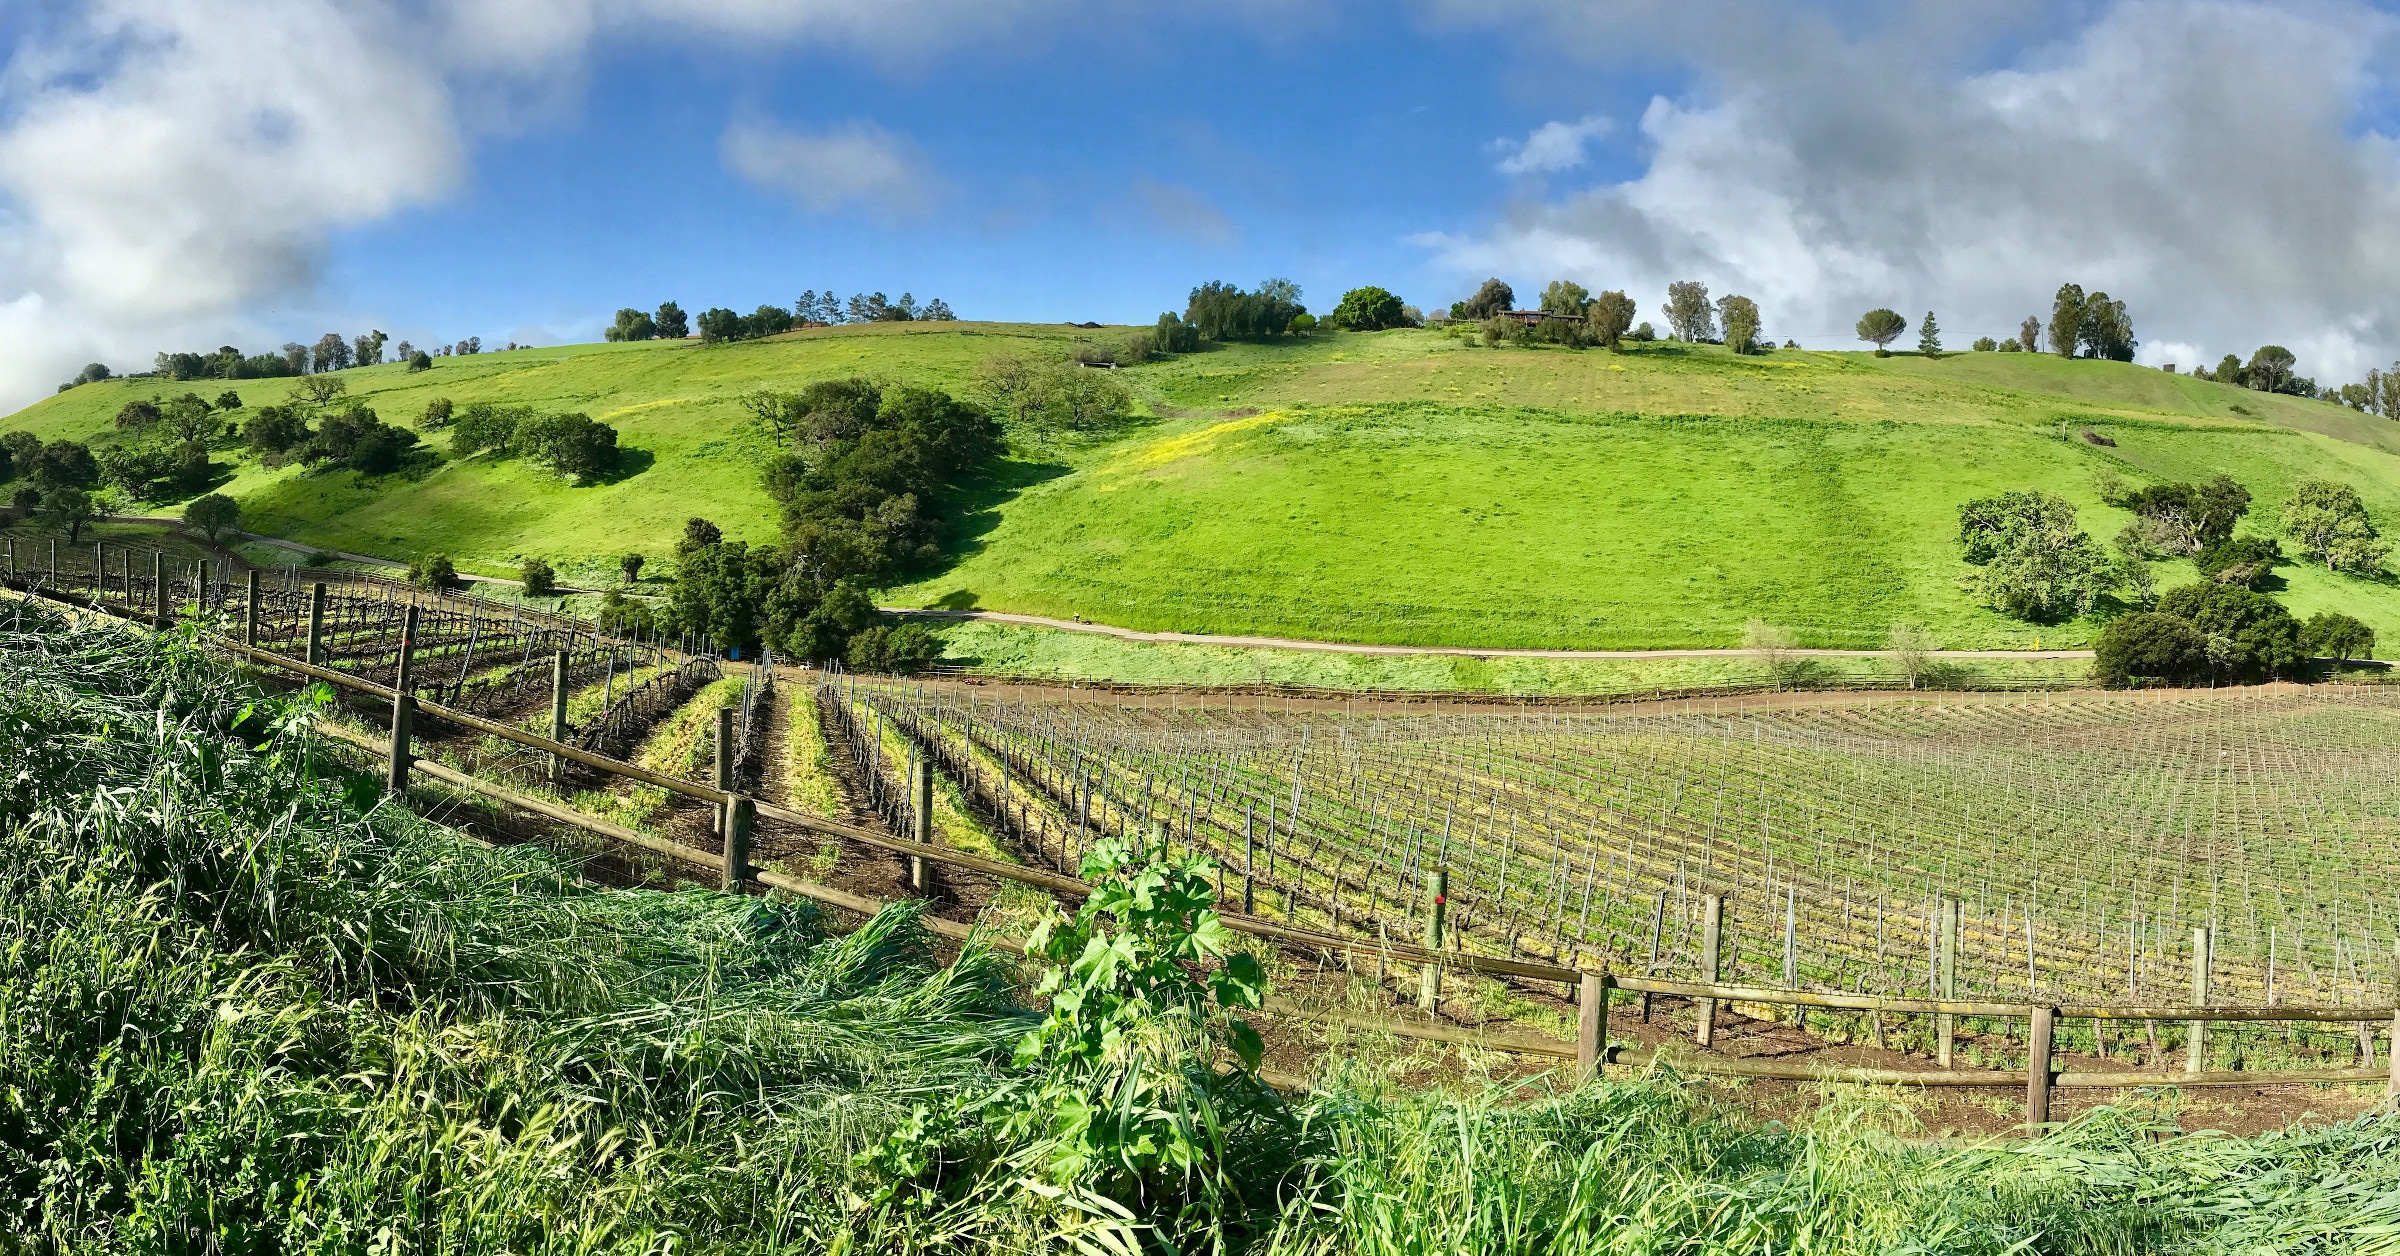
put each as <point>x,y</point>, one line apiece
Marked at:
<point>2207,163</point>
<point>167,167</point>
<point>1553,146</point>
<point>854,163</point>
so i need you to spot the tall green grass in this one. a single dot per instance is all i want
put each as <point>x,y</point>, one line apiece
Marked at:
<point>246,1007</point>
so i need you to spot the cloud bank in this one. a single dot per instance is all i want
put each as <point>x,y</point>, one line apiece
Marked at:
<point>166,166</point>
<point>2215,165</point>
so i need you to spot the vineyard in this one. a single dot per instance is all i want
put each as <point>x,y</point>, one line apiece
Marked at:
<point>2081,836</point>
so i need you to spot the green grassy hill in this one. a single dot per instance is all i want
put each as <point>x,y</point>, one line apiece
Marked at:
<point>1397,487</point>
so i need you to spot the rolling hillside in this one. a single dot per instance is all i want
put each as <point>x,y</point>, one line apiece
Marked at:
<point>1400,487</point>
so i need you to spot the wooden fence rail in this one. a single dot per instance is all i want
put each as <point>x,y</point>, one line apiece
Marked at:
<point>1593,989</point>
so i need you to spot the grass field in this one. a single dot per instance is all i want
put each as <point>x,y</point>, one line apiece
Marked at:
<point>1402,487</point>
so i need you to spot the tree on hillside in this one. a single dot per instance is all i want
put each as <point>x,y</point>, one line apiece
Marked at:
<point>1493,297</point>
<point>1611,315</point>
<point>538,577</point>
<point>420,361</point>
<point>1929,336</point>
<point>1173,335</point>
<point>1880,327</point>
<point>138,415</point>
<point>2334,635</point>
<point>631,324</point>
<point>229,400</point>
<point>212,515</point>
<point>1367,309</point>
<point>1740,318</point>
<point>317,391</point>
<point>2066,320</point>
<point>2149,648</point>
<point>669,323</point>
<point>1565,296</point>
<point>574,445</point>
<point>2331,524</point>
<point>332,353</point>
<point>2036,563</point>
<point>367,350</point>
<point>2270,369</point>
<point>2029,334</point>
<point>1221,311</point>
<point>1690,318</point>
<point>68,507</point>
<point>718,325</point>
<point>2250,635</point>
<point>62,464</point>
<point>188,418</point>
<point>630,566</point>
<point>433,571</point>
<point>2107,331</point>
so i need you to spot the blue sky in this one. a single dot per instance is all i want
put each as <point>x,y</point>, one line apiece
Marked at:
<point>183,173</point>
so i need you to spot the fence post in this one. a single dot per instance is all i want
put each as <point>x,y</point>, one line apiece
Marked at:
<point>404,708</point>
<point>1658,931</point>
<point>724,765</point>
<point>920,818</point>
<point>1591,1025</point>
<point>1946,982</point>
<point>316,624</point>
<point>54,562</point>
<point>12,555</point>
<point>1712,930</point>
<point>98,569</point>
<point>2037,1071</point>
<point>2196,1057</point>
<point>158,588</point>
<point>558,712</point>
<point>250,615</point>
<point>1249,859</point>
<point>741,815</point>
<point>2393,1088</point>
<point>1429,978</point>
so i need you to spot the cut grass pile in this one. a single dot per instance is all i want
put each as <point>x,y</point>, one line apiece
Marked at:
<point>1398,487</point>
<point>247,1008</point>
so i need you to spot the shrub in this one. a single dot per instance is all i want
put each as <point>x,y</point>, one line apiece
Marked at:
<point>2036,564</point>
<point>63,464</point>
<point>1368,309</point>
<point>1985,344</point>
<point>2249,636</point>
<point>420,361</point>
<point>631,566</point>
<point>2243,560</point>
<point>1173,335</point>
<point>1050,396</point>
<point>573,445</point>
<point>2149,648</point>
<point>433,571</point>
<point>275,429</point>
<point>437,414</point>
<point>356,438</point>
<point>212,515</point>
<point>539,579</point>
<point>483,426</point>
<point>901,649</point>
<point>2333,635</point>
<point>2203,514</point>
<point>136,416</point>
<point>2331,525</point>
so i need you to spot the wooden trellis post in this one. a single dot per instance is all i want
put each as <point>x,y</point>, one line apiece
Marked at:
<point>2203,939</point>
<point>1437,893</point>
<point>1658,930</point>
<point>1712,928</point>
<point>158,588</point>
<point>920,818</point>
<point>250,612</point>
<point>558,712</point>
<point>2037,1070</point>
<point>1946,981</point>
<point>404,708</point>
<point>1591,1025</point>
<point>1249,857</point>
<point>316,625</point>
<point>724,766</point>
<point>741,817</point>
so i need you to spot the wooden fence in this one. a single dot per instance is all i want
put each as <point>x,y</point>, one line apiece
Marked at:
<point>739,815</point>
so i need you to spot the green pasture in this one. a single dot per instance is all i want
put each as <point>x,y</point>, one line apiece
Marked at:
<point>1408,487</point>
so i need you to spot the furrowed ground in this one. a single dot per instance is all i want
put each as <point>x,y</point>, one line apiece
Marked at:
<point>1398,487</point>
<point>253,1006</point>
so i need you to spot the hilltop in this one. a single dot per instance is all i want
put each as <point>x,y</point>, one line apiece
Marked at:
<point>1399,487</point>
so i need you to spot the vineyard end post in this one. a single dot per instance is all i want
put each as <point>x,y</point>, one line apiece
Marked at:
<point>404,707</point>
<point>158,588</point>
<point>741,817</point>
<point>250,611</point>
<point>2196,1058</point>
<point>316,625</point>
<point>1249,864</point>
<point>2393,1088</point>
<point>2037,1071</point>
<point>1429,987</point>
<point>724,766</point>
<point>1712,930</point>
<point>920,818</point>
<point>1946,978</point>
<point>12,555</point>
<point>1591,1025</point>
<point>558,712</point>
<point>54,562</point>
<point>1658,931</point>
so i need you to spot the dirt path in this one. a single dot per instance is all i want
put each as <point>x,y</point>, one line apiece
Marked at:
<point>1353,647</point>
